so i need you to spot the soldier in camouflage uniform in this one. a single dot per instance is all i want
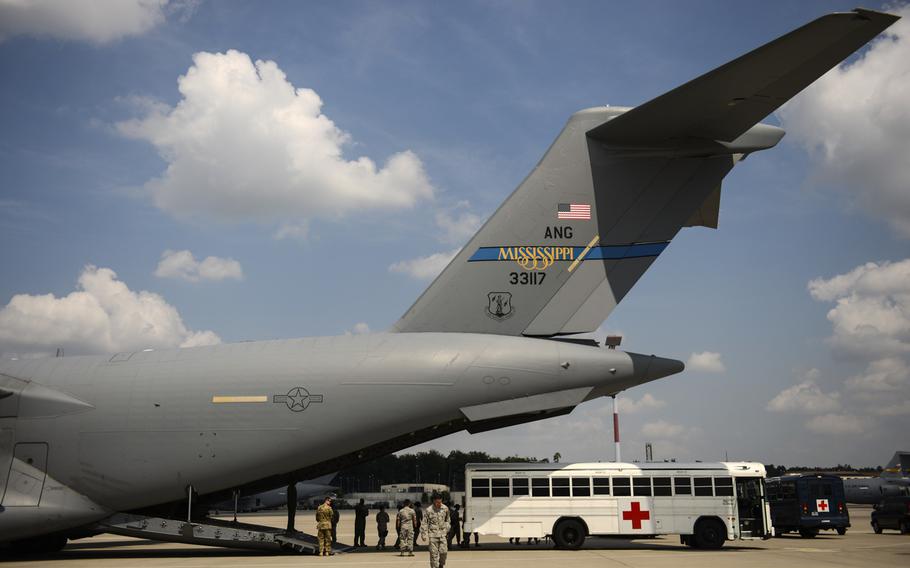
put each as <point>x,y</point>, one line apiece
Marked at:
<point>324,516</point>
<point>405,523</point>
<point>435,528</point>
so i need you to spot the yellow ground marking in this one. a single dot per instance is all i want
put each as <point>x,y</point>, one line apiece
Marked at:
<point>584,252</point>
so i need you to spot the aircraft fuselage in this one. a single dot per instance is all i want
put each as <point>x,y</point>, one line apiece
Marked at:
<point>137,429</point>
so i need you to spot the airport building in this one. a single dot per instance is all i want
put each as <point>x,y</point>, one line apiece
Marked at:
<point>394,493</point>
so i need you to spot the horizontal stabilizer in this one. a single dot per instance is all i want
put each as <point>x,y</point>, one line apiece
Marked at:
<point>724,103</point>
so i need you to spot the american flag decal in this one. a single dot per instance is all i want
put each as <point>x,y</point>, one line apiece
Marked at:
<point>573,211</point>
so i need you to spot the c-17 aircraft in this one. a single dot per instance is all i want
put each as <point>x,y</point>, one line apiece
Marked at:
<point>894,480</point>
<point>136,443</point>
<point>306,490</point>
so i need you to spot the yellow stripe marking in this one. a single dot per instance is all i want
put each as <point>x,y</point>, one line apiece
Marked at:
<point>227,399</point>
<point>584,253</point>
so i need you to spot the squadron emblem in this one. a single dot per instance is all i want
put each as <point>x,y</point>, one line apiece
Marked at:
<point>500,305</point>
<point>297,399</point>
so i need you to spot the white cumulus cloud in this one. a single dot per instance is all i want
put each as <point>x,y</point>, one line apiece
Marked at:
<point>182,265</point>
<point>101,316</point>
<point>96,21</point>
<point>706,362</point>
<point>871,315</point>
<point>457,224</point>
<point>360,328</point>
<point>855,122</point>
<point>806,398</point>
<point>663,430</point>
<point>425,267</point>
<point>840,424</point>
<point>646,402</point>
<point>887,376</point>
<point>243,144</point>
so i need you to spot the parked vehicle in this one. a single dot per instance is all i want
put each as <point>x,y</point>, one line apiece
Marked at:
<point>892,513</point>
<point>705,504</point>
<point>807,504</point>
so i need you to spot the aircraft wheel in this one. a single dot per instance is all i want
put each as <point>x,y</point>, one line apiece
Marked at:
<point>808,533</point>
<point>569,534</point>
<point>876,528</point>
<point>710,533</point>
<point>842,530</point>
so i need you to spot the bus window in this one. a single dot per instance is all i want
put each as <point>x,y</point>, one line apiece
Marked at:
<point>519,486</point>
<point>540,487</point>
<point>662,487</point>
<point>703,487</point>
<point>621,486</point>
<point>480,487</point>
<point>787,490</point>
<point>500,488</point>
<point>641,486</point>
<point>723,486</point>
<point>560,487</point>
<point>819,490</point>
<point>601,485</point>
<point>581,487</point>
<point>682,485</point>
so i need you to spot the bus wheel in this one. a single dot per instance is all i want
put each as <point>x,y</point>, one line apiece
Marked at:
<point>842,530</point>
<point>905,527</point>
<point>875,528</point>
<point>569,534</point>
<point>808,533</point>
<point>710,533</point>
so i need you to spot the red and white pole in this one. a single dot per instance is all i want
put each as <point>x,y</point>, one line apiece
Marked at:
<point>616,429</point>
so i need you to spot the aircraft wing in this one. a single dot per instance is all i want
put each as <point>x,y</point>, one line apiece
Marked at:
<point>724,103</point>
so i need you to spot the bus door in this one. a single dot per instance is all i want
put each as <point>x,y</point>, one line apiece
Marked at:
<point>750,507</point>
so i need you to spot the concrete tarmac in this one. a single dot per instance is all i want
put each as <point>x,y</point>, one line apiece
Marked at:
<point>860,547</point>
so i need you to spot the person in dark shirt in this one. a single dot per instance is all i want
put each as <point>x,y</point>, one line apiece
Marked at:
<point>418,511</point>
<point>361,512</point>
<point>382,527</point>
<point>335,517</point>
<point>455,519</point>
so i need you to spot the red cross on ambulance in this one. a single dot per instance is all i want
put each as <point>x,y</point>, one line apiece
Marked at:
<point>821,505</point>
<point>636,515</point>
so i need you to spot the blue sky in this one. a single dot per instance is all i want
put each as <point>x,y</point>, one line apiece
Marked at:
<point>453,103</point>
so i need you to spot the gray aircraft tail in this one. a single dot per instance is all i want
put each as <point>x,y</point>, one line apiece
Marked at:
<point>617,185</point>
<point>899,466</point>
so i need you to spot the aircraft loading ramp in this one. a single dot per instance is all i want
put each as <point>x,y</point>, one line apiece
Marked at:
<point>213,532</point>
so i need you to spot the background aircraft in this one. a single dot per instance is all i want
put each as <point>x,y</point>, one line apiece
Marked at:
<point>275,498</point>
<point>160,434</point>
<point>894,480</point>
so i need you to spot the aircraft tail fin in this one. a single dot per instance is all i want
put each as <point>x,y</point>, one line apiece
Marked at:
<point>617,185</point>
<point>899,466</point>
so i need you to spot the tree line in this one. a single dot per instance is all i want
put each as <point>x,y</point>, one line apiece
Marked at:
<point>434,467</point>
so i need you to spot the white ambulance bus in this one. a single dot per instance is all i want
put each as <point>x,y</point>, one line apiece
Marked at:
<point>705,503</point>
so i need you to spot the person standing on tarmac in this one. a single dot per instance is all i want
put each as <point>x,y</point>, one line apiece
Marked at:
<point>361,512</point>
<point>418,520</point>
<point>382,527</point>
<point>405,523</point>
<point>335,518</point>
<point>435,530</point>
<point>455,521</point>
<point>324,516</point>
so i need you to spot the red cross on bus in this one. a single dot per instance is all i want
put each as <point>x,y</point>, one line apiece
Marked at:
<point>636,515</point>
<point>822,505</point>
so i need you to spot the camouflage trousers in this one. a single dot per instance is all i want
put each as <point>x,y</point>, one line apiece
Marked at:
<point>325,541</point>
<point>438,551</point>
<point>406,534</point>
